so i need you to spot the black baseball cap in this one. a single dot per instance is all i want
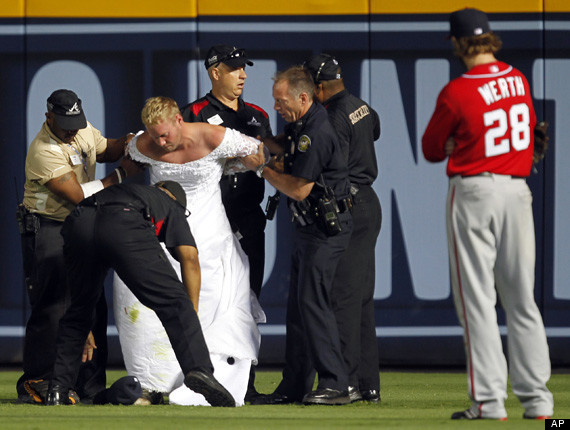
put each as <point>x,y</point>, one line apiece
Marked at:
<point>176,189</point>
<point>124,391</point>
<point>323,67</point>
<point>228,55</point>
<point>468,23</point>
<point>67,108</point>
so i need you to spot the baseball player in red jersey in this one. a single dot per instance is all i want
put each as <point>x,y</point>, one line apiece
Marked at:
<point>483,123</point>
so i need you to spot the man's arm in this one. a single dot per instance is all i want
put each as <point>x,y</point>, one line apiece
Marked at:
<point>376,121</point>
<point>115,149</point>
<point>67,187</point>
<point>190,267</point>
<point>275,144</point>
<point>294,187</point>
<point>439,130</point>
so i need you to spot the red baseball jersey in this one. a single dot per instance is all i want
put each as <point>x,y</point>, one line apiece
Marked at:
<point>488,111</point>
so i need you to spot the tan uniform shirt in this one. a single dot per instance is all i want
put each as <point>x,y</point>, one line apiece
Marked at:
<point>48,158</point>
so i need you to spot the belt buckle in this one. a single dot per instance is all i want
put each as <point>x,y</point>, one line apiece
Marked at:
<point>354,189</point>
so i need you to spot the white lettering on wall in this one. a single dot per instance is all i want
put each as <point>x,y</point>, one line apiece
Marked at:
<point>557,72</point>
<point>418,188</point>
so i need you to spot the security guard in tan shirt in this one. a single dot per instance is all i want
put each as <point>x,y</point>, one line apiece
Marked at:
<point>60,172</point>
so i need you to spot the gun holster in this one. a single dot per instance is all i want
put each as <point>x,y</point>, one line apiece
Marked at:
<point>328,214</point>
<point>302,212</point>
<point>28,222</point>
<point>271,207</point>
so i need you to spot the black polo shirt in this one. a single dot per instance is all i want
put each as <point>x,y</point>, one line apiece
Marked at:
<point>167,215</point>
<point>249,119</point>
<point>316,150</point>
<point>243,192</point>
<point>357,126</point>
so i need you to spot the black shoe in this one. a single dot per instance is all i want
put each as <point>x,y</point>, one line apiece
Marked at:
<point>464,415</point>
<point>354,394</point>
<point>370,395</point>
<point>251,394</point>
<point>468,415</point>
<point>326,396</point>
<point>36,391</point>
<point>57,395</point>
<point>272,399</point>
<point>205,384</point>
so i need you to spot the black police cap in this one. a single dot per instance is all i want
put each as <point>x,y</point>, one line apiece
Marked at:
<point>323,67</point>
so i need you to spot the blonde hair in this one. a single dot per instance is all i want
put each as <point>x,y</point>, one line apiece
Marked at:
<point>299,80</point>
<point>158,109</point>
<point>474,45</point>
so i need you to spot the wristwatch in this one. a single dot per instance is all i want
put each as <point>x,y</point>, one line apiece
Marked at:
<point>259,170</point>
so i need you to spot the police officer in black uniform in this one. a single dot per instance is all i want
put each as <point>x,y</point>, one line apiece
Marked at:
<point>122,227</point>
<point>315,180</point>
<point>357,126</point>
<point>242,193</point>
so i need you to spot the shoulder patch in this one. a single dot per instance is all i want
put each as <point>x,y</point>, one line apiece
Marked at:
<point>198,106</point>
<point>304,143</point>
<point>257,108</point>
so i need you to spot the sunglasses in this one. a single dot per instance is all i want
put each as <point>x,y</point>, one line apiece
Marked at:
<point>236,53</point>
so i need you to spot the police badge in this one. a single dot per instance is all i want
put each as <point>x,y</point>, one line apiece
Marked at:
<point>304,143</point>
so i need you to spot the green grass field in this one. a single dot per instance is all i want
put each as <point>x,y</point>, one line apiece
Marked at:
<point>410,400</point>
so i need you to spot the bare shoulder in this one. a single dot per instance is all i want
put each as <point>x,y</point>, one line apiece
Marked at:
<point>146,146</point>
<point>217,133</point>
<point>142,142</point>
<point>206,135</point>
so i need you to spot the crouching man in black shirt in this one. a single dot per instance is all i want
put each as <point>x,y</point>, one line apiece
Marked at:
<point>121,227</point>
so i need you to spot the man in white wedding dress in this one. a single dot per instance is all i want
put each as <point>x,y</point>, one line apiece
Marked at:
<point>195,155</point>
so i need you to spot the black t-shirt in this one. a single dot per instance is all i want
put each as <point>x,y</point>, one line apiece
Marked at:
<point>167,215</point>
<point>357,126</point>
<point>242,192</point>
<point>316,151</point>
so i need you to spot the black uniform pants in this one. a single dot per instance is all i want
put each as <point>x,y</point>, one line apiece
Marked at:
<point>353,293</point>
<point>251,226</point>
<point>97,238</point>
<point>312,339</point>
<point>49,296</point>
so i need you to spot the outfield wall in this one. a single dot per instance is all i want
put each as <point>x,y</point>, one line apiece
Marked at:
<point>396,56</point>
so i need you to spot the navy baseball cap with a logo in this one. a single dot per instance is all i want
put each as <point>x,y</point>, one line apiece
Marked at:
<point>323,67</point>
<point>124,391</point>
<point>66,107</point>
<point>468,23</point>
<point>228,55</point>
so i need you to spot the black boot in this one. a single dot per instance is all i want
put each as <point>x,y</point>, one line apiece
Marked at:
<point>205,384</point>
<point>58,395</point>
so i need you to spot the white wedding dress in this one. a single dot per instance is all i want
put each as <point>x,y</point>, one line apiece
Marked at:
<point>228,310</point>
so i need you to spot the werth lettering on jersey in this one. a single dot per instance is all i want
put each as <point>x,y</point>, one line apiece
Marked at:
<point>502,88</point>
<point>358,114</point>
